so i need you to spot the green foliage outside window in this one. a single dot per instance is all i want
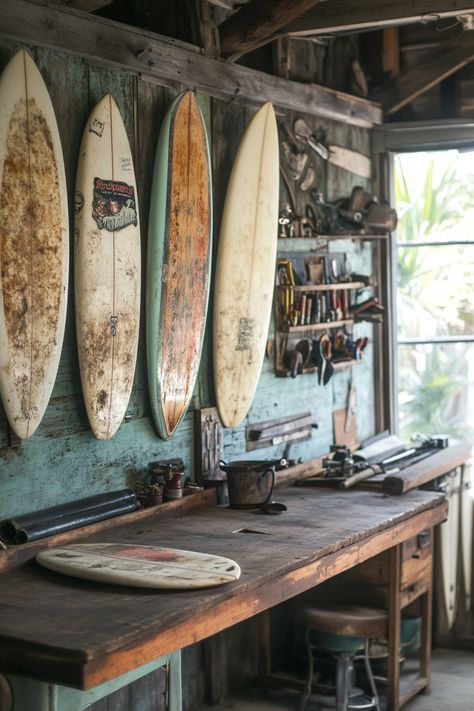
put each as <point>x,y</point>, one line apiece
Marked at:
<point>435,203</point>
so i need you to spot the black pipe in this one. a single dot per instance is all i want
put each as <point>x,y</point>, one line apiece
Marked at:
<point>9,527</point>
<point>50,527</point>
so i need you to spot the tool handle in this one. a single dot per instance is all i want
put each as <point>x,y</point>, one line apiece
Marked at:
<point>272,472</point>
<point>355,478</point>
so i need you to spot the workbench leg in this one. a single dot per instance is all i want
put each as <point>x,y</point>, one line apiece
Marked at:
<point>394,619</point>
<point>31,695</point>
<point>175,696</point>
<point>426,609</point>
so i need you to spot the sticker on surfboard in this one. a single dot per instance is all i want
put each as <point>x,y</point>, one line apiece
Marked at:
<point>113,205</point>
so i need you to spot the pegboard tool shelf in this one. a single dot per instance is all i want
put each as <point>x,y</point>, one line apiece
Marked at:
<point>342,286</point>
<point>285,328</point>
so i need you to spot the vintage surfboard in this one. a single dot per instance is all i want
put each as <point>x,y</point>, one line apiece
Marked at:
<point>140,566</point>
<point>178,263</point>
<point>449,550</point>
<point>467,521</point>
<point>245,270</point>
<point>106,268</point>
<point>34,245</point>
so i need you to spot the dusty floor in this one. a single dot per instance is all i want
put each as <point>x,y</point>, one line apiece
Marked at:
<point>452,689</point>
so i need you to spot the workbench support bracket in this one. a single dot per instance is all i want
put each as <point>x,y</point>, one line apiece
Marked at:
<point>31,695</point>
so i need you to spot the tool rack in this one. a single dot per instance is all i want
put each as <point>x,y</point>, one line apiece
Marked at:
<point>286,334</point>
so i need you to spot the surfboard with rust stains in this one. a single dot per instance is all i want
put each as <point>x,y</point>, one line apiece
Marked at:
<point>178,263</point>
<point>140,566</point>
<point>107,264</point>
<point>245,269</point>
<point>34,245</point>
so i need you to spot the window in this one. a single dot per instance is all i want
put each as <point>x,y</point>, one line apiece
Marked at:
<point>434,198</point>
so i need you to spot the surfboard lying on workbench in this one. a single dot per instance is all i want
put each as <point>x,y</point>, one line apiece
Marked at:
<point>106,268</point>
<point>245,268</point>
<point>140,566</point>
<point>34,245</point>
<point>178,263</point>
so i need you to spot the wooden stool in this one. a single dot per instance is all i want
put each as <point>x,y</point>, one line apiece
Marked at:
<point>343,630</point>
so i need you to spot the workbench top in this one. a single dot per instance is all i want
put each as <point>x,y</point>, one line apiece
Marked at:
<point>81,633</point>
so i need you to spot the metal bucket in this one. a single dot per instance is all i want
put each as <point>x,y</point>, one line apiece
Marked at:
<point>250,483</point>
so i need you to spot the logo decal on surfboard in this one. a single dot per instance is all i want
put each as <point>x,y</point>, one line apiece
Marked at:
<point>245,334</point>
<point>96,126</point>
<point>113,205</point>
<point>113,321</point>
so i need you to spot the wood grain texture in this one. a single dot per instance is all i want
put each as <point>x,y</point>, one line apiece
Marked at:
<point>34,245</point>
<point>85,5</point>
<point>77,633</point>
<point>168,61</point>
<point>16,555</point>
<point>428,469</point>
<point>256,22</point>
<point>179,254</point>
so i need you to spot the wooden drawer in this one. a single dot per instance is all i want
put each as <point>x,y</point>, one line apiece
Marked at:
<point>417,557</point>
<point>417,560</point>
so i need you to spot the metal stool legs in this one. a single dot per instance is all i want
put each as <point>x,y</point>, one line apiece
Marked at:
<point>370,676</point>
<point>343,679</point>
<point>345,666</point>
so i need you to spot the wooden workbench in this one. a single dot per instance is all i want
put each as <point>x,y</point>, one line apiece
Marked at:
<point>81,634</point>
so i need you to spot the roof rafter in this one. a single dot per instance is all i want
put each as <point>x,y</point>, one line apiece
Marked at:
<point>84,5</point>
<point>354,16</point>
<point>447,59</point>
<point>256,22</point>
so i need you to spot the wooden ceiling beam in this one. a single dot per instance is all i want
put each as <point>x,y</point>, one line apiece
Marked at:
<point>451,56</point>
<point>355,16</point>
<point>256,22</point>
<point>84,5</point>
<point>169,62</point>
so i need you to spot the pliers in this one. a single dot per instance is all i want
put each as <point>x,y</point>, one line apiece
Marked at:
<point>322,359</point>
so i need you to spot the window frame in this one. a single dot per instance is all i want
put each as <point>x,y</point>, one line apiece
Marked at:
<point>389,140</point>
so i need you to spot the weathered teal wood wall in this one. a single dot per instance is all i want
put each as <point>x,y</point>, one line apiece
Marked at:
<point>63,461</point>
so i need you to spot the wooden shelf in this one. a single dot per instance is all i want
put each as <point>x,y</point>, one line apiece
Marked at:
<point>305,244</point>
<point>316,326</point>
<point>326,287</point>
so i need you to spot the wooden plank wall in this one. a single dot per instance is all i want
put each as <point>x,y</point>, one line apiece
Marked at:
<point>63,461</point>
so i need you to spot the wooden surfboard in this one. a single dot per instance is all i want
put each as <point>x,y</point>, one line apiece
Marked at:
<point>34,245</point>
<point>107,268</point>
<point>178,263</point>
<point>140,566</point>
<point>245,271</point>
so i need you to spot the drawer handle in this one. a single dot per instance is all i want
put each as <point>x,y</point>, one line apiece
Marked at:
<point>424,539</point>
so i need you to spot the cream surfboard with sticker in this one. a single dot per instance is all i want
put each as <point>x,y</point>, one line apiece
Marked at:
<point>106,268</point>
<point>140,566</point>
<point>245,268</point>
<point>34,245</point>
